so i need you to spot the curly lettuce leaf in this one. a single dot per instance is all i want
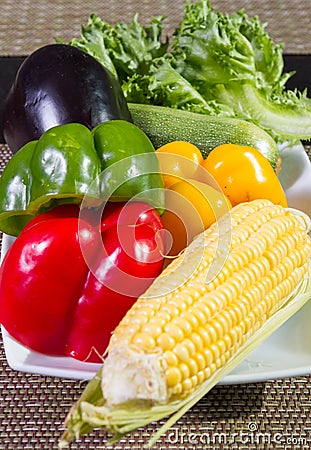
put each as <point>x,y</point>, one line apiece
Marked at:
<point>232,60</point>
<point>138,57</point>
<point>166,87</point>
<point>134,47</point>
<point>217,65</point>
<point>93,42</point>
<point>125,49</point>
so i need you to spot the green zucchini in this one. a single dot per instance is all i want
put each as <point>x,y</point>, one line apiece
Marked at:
<point>163,125</point>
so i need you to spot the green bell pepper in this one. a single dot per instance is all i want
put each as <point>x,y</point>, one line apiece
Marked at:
<point>70,163</point>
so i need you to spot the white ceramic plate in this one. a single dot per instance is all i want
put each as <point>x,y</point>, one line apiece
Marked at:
<point>286,353</point>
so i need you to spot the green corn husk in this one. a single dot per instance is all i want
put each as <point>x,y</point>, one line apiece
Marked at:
<point>91,411</point>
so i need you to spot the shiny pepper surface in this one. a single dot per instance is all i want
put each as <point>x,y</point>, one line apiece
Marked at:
<point>69,277</point>
<point>244,174</point>
<point>69,162</point>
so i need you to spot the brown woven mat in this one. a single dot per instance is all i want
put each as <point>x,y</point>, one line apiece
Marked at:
<point>26,25</point>
<point>270,415</point>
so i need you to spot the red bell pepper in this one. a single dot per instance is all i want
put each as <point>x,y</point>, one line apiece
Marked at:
<point>67,281</point>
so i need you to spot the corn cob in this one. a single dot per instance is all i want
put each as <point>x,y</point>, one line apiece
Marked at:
<point>235,284</point>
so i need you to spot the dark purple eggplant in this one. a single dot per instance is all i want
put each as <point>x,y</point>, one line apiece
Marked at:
<point>60,84</point>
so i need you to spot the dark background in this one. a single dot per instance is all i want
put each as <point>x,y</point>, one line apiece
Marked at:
<point>8,69</point>
<point>301,64</point>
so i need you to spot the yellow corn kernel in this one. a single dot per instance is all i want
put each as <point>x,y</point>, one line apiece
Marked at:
<point>171,358</point>
<point>184,370</point>
<point>174,331</point>
<point>187,385</point>
<point>152,329</point>
<point>193,367</point>
<point>200,360</point>
<point>144,341</point>
<point>173,376</point>
<point>166,342</point>
<point>197,341</point>
<point>194,329</point>
<point>182,352</point>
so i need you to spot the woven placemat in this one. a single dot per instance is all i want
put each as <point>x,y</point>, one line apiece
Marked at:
<point>269,415</point>
<point>26,25</point>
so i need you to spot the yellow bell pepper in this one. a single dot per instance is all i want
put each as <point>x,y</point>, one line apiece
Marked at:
<point>244,174</point>
<point>179,160</point>
<point>191,207</point>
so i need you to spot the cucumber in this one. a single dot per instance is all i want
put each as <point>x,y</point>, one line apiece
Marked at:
<point>163,125</point>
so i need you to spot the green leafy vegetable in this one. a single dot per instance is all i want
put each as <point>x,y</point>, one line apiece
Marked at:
<point>233,61</point>
<point>217,64</point>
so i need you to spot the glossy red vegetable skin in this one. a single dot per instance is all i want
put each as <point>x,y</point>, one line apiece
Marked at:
<point>39,285</point>
<point>66,282</point>
<point>59,84</point>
